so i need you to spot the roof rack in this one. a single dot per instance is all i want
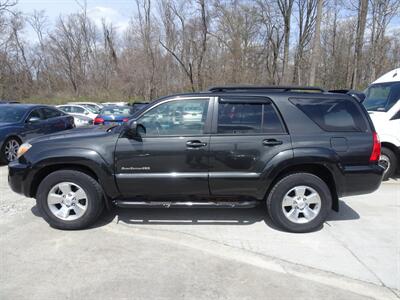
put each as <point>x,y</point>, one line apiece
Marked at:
<point>244,88</point>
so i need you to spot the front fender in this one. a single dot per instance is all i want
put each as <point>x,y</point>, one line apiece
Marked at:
<point>88,159</point>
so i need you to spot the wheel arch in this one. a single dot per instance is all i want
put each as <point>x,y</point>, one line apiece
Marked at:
<point>317,169</point>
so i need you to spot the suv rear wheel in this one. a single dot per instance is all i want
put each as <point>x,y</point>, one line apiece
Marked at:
<point>299,202</point>
<point>69,199</point>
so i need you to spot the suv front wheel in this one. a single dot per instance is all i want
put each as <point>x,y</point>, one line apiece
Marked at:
<point>299,202</point>
<point>69,199</point>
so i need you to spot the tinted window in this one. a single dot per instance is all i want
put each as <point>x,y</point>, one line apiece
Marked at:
<point>333,114</point>
<point>382,96</point>
<point>181,117</point>
<point>36,113</point>
<point>51,113</point>
<point>238,118</point>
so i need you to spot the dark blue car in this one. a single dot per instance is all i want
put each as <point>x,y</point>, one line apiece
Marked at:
<point>114,115</point>
<point>20,122</point>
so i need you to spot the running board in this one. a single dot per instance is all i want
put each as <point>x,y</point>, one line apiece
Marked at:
<point>168,204</point>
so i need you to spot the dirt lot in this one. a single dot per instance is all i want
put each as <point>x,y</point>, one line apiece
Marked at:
<point>202,253</point>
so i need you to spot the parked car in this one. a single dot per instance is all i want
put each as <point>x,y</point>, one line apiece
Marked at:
<point>383,104</point>
<point>297,151</point>
<point>82,121</point>
<point>20,122</point>
<point>114,115</point>
<point>114,103</point>
<point>95,107</point>
<point>78,110</point>
<point>2,101</point>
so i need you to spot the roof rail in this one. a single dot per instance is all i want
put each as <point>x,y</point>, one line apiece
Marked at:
<point>243,88</point>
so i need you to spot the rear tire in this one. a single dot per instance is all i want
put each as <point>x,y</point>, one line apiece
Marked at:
<point>69,200</point>
<point>388,160</point>
<point>299,202</point>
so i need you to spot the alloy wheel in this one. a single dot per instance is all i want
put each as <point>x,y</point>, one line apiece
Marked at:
<point>301,204</point>
<point>67,201</point>
<point>384,161</point>
<point>11,150</point>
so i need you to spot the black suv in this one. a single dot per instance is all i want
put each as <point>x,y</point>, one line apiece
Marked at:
<point>297,148</point>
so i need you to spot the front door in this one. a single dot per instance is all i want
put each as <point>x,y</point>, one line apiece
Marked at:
<point>171,159</point>
<point>247,133</point>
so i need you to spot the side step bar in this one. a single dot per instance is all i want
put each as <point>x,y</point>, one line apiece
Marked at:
<point>168,204</point>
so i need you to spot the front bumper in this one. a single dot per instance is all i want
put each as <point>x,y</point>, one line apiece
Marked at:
<point>18,178</point>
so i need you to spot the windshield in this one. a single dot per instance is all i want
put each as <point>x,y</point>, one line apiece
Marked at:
<point>11,114</point>
<point>117,110</point>
<point>382,96</point>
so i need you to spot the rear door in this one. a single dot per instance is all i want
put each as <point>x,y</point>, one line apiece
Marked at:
<point>247,132</point>
<point>171,159</point>
<point>55,120</point>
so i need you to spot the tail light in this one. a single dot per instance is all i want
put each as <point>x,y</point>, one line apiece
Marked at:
<point>376,148</point>
<point>125,119</point>
<point>98,121</point>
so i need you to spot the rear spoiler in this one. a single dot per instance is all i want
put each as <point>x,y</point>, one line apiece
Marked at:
<point>359,96</point>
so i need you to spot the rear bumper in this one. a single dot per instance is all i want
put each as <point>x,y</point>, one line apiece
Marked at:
<point>18,178</point>
<point>358,180</point>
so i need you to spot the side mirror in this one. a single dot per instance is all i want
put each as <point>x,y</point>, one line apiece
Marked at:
<point>136,130</point>
<point>33,119</point>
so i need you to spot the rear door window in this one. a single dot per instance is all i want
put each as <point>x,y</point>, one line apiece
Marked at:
<point>50,113</point>
<point>247,118</point>
<point>333,114</point>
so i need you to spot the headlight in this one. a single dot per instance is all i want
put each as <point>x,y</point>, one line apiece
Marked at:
<point>23,149</point>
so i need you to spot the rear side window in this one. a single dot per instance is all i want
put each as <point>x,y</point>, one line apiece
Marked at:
<point>333,114</point>
<point>245,118</point>
<point>51,113</point>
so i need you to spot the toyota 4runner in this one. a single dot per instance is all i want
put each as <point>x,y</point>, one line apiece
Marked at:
<point>297,148</point>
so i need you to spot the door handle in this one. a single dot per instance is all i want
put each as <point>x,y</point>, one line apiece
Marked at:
<point>272,142</point>
<point>195,144</point>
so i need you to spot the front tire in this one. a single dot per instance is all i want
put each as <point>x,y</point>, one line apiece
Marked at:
<point>388,160</point>
<point>9,150</point>
<point>299,202</point>
<point>69,199</point>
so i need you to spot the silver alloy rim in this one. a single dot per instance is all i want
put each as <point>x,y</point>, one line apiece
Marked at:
<point>11,150</point>
<point>67,201</point>
<point>384,161</point>
<point>301,204</point>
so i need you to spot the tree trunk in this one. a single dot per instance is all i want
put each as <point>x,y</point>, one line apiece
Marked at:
<point>316,44</point>
<point>362,19</point>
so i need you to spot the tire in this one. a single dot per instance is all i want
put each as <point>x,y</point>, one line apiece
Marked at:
<point>82,212</point>
<point>311,210</point>
<point>4,156</point>
<point>388,160</point>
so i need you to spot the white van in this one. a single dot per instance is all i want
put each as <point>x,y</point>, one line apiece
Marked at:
<point>383,104</point>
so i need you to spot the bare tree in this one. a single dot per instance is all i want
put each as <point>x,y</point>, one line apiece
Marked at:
<point>316,44</point>
<point>361,21</point>
<point>285,7</point>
